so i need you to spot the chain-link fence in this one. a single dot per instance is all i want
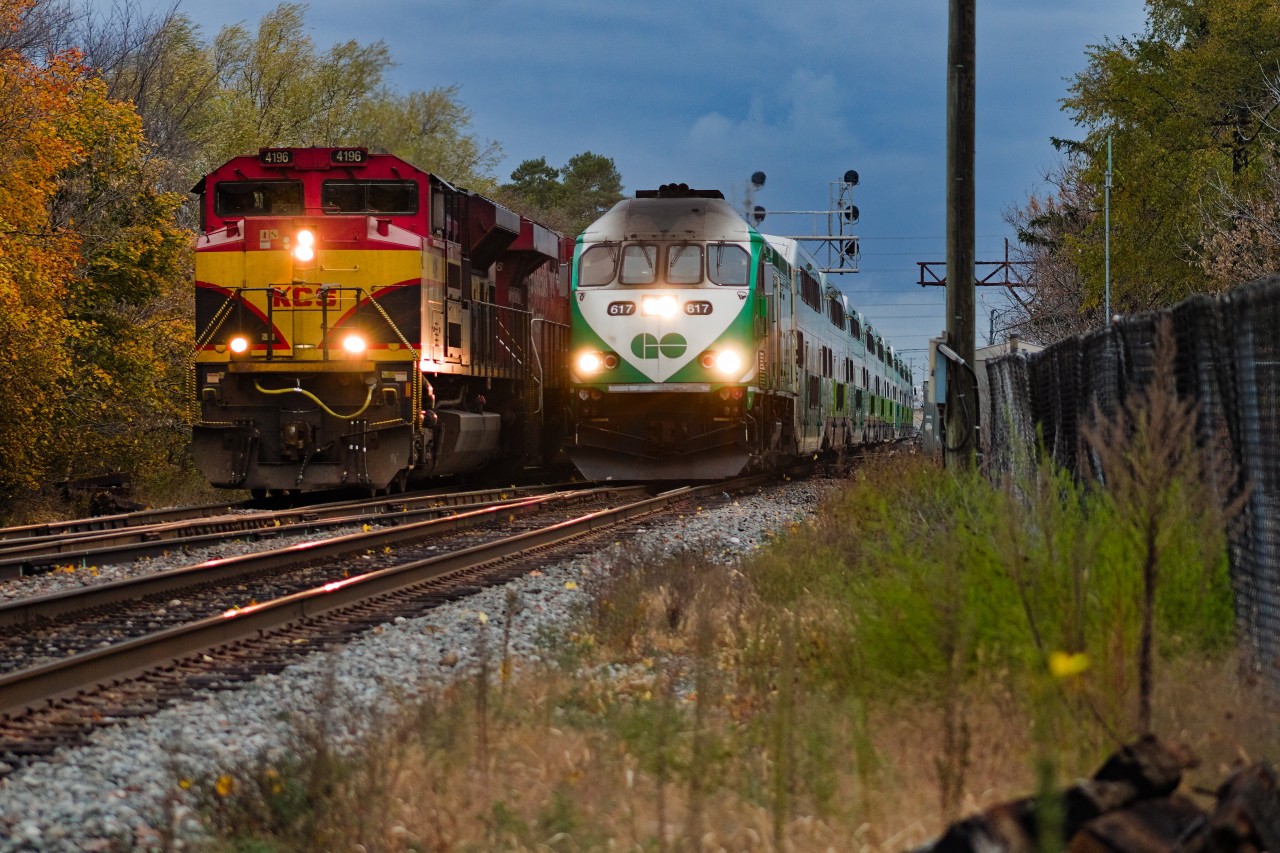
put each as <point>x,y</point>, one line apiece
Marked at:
<point>1228,361</point>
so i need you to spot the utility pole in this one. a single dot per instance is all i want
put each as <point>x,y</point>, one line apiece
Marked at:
<point>1106,230</point>
<point>961,392</point>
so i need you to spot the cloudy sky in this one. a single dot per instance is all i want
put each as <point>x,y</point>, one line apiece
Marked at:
<point>706,92</point>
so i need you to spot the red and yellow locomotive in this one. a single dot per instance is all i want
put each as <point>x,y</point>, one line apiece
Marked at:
<point>362,323</point>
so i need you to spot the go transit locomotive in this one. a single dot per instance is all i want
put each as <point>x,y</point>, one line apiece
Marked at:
<point>362,323</point>
<point>701,349</point>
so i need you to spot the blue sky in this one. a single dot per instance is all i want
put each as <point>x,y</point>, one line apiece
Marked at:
<point>706,92</point>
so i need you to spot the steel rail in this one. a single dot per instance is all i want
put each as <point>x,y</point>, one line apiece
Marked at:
<point>43,684</point>
<point>37,609</point>
<point>117,521</point>
<point>24,557</point>
<point>146,517</point>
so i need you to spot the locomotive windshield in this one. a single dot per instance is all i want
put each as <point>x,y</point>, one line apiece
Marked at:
<point>639,264</point>
<point>257,198</point>
<point>369,197</point>
<point>684,264</point>
<point>726,264</point>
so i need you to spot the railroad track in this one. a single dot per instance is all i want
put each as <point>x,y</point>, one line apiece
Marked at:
<point>57,702</point>
<point>70,528</point>
<point>144,517</point>
<point>149,533</point>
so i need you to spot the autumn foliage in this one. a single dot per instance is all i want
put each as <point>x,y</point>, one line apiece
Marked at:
<point>90,261</point>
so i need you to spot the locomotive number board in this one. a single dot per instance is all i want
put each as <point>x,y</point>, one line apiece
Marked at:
<point>275,157</point>
<point>338,156</point>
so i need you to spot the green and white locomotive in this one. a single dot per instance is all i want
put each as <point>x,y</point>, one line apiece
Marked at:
<point>701,348</point>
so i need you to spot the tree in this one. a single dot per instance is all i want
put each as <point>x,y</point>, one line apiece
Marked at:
<point>591,185</point>
<point>37,30</point>
<point>274,88</point>
<point>427,129</point>
<point>567,199</point>
<point>1241,226</point>
<point>159,63</point>
<point>1187,110</point>
<point>127,303</point>
<point>1057,305</point>
<point>537,182</point>
<point>36,261</point>
<point>94,317</point>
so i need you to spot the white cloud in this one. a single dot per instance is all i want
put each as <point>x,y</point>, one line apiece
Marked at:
<point>804,115</point>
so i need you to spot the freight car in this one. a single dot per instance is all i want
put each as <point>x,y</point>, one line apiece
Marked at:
<point>362,324</point>
<point>702,349</point>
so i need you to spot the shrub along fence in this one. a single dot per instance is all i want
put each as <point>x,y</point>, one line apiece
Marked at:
<point>1227,361</point>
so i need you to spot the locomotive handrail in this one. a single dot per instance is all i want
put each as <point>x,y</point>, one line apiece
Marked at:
<point>536,373</point>
<point>416,372</point>
<point>234,298</point>
<point>219,317</point>
<point>324,311</point>
<point>510,337</point>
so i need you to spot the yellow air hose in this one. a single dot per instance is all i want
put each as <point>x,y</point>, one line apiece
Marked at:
<point>368,398</point>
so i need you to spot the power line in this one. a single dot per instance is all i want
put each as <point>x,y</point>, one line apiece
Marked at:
<point>939,238</point>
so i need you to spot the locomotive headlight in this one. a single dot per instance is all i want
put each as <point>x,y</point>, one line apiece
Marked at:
<point>728,362</point>
<point>353,344</point>
<point>238,345</point>
<point>304,249</point>
<point>589,363</point>
<point>659,306</point>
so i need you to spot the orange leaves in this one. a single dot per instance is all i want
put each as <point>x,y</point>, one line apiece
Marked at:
<point>12,13</point>
<point>48,115</point>
<point>35,104</point>
<point>94,291</point>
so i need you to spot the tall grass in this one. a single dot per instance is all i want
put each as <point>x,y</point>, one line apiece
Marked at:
<point>928,644</point>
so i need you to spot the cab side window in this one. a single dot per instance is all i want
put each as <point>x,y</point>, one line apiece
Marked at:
<point>728,265</point>
<point>598,266</point>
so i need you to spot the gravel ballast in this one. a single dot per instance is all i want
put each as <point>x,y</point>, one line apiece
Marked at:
<point>121,792</point>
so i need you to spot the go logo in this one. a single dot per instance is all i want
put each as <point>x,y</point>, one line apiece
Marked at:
<point>646,345</point>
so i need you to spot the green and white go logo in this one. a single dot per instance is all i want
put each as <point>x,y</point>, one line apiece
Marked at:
<point>646,345</point>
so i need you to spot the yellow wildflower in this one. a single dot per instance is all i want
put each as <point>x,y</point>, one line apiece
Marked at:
<point>224,786</point>
<point>1067,664</point>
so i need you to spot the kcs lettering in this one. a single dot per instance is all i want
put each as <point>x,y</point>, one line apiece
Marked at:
<point>304,296</point>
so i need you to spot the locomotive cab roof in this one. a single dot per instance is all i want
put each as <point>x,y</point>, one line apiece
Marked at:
<point>685,214</point>
<point>678,191</point>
